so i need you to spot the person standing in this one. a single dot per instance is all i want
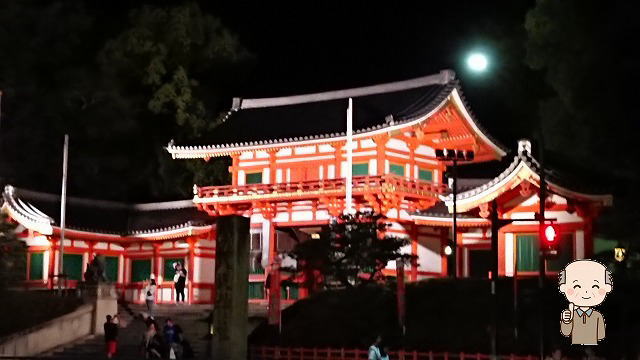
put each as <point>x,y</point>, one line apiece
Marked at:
<point>111,335</point>
<point>150,296</point>
<point>180,281</point>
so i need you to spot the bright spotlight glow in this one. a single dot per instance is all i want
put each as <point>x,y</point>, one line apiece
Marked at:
<point>447,250</point>
<point>477,62</point>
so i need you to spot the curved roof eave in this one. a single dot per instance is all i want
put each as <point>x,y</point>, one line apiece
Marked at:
<point>452,92</point>
<point>519,170</point>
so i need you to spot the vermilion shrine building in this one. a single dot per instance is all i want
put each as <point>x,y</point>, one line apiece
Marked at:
<point>289,169</point>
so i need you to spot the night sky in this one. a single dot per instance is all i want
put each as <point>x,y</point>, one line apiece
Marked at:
<point>299,49</point>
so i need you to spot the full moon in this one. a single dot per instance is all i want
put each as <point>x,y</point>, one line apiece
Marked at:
<point>477,62</point>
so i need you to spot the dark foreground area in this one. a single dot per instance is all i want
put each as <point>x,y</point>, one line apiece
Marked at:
<point>21,310</point>
<point>446,315</point>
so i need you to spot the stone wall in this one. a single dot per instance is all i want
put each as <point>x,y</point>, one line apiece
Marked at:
<point>51,334</point>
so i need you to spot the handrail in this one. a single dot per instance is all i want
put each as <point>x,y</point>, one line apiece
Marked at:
<point>418,187</point>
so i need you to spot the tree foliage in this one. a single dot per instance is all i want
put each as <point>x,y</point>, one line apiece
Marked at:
<point>178,57</point>
<point>588,62</point>
<point>121,87</point>
<point>351,251</point>
<point>12,255</point>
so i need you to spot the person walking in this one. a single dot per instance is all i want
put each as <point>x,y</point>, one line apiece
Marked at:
<point>150,296</point>
<point>173,338</point>
<point>152,342</point>
<point>111,335</point>
<point>179,281</point>
<point>375,351</point>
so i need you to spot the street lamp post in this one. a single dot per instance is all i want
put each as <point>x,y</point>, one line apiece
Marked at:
<point>454,156</point>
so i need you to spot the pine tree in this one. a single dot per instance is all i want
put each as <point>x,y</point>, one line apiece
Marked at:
<point>350,252</point>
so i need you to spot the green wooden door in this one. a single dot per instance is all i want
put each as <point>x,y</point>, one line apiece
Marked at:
<point>396,169</point>
<point>36,263</point>
<point>425,175</point>
<point>256,290</point>
<point>140,270</point>
<point>528,252</point>
<point>360,169</point>
<point>111,268</point>
<point>72,266</point>
<point>254,178</point>
<point>169,271</point>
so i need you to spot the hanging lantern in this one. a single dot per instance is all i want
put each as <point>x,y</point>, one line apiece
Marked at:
<point>619,254</point>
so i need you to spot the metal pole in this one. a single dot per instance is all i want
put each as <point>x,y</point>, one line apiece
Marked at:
<point>541,258</point>
<point>63,209</point>
<point>454,246</point>
<point>515,289</point>
<point>495,228</point>
<point>349,174</point>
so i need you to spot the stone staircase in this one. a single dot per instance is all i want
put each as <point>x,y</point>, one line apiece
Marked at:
<point>193,319</point>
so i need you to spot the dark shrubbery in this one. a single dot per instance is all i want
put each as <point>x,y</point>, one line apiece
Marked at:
<point>445,315</point>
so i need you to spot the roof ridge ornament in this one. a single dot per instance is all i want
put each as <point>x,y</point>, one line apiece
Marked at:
<point>524,147</point>
<point>236,104</point>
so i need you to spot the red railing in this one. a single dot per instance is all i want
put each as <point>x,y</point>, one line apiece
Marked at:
<point>283,353</point>
<point>400,184</point>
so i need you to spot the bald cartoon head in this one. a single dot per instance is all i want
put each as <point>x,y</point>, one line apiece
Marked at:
<point>585,283</point>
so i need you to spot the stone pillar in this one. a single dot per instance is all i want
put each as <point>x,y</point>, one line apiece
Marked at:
<point>105,301</point>
<point>231,300</point>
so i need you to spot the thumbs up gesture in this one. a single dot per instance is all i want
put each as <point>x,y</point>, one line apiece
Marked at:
<point>567,315</point>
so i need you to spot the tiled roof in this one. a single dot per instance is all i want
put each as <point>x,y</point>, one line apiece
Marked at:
<point>269,122</point>
<point>440,210</point>
<point>555,179</point>
<point>106,217</point>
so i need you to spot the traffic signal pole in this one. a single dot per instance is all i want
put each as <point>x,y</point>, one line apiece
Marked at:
<point>541,258</point>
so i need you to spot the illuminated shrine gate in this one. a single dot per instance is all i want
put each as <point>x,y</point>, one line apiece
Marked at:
<point>289,169</point>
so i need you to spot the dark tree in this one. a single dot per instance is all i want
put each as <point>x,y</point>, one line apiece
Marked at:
<point>351,251</point>
<point>589,119</point>
<point>12,255</point>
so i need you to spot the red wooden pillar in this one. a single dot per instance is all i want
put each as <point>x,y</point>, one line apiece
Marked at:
<point>414,252</point>
<point>234,169</point>
<point>272,166</point>
<point>156,269</point>
<point>91,251</point>
<point>381,142</point>
<point>52,262</point>
<point>274,293</point>
<point>273,241</point>
<point>191,263</point>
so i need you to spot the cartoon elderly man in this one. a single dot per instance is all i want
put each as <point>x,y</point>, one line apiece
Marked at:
<point>585,283</point>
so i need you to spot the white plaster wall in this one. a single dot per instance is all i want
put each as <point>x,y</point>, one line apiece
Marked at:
<point>509,244</point>
<point>205,271</point>
<point>429,255</point>
<point>373,167</point>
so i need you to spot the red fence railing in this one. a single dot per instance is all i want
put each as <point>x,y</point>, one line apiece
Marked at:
<point>402,184</point>
<point>283,353</point>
